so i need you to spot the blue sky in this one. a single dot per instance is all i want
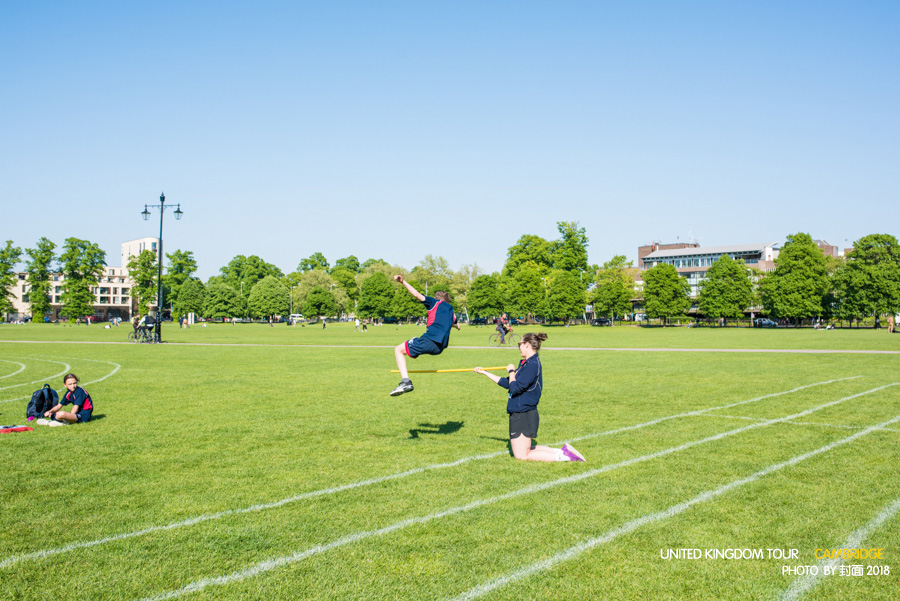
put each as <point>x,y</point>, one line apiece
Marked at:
<point>399,129</point>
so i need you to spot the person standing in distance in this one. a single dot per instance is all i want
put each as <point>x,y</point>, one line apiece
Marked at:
<point>435,339</point>
<point>525,385</point>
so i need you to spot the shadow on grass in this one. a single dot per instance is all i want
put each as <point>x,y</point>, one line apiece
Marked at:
<point>446,428</point>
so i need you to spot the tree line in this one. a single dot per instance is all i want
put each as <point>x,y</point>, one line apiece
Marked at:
<point>547,278</point>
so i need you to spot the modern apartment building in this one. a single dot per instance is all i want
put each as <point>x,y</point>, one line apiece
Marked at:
<point>694,261</point>
<point>112,293</point>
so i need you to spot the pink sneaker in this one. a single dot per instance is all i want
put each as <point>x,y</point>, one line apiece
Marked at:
<point>570,452</point>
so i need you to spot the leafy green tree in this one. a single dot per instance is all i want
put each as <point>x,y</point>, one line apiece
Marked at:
<point>461,283</point>
<point>181,267</point>
<point>316,261</point>
<point>350,263</point>
<point>727,290</point>
<point>370,262</point>
<point>39,272</point>
<point>615,288</point>
<point>82,265</point>
<point>484,297</point>
<point>247,271</point>
<point>346,279</point>
<point>868,284</point>
<point>665,292</point>
<point>223,301</point>
<point>529,250</point>
<point>795,290</point>
<point>376,296</point>
<point>143,270</point>
<point>569,253</point>
<point>9,256</point>
<point>527,292</point>
<point>269,298</point>
<point>405,305</point>
<point>191,297</point>
<point>432,274</point>
<point>321,279</point>
<point>320,301</point>
<point>565,295</point>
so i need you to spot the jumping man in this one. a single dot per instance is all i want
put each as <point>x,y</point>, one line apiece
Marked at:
<point>435,339</point>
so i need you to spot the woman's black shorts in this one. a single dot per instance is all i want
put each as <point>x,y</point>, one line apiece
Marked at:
<point>524,423</point>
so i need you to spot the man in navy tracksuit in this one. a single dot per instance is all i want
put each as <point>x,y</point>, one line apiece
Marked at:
<point>435,339</point>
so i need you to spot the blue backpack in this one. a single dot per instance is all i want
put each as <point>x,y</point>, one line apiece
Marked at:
<point>42,400</point>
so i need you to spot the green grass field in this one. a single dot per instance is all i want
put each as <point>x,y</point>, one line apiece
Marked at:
<point>255,462</point>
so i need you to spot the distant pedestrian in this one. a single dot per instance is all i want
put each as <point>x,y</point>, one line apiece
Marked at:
<point>890,324</point>
<point>356,329</point>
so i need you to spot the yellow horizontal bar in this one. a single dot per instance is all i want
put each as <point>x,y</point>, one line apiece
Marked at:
<point>444,371</point>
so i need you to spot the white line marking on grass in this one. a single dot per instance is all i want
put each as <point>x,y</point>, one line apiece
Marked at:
<point>337,489</point>
<point>271,564</point>
<point>628,527</point>
<point>806,583</point>
<point>822,424</point>
<point>21,368</point>
<point>703,411</point>
<point>65,371</point>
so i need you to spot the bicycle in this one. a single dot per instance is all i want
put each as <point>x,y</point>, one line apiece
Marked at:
<point>142,336</point>
<point>511,339</point>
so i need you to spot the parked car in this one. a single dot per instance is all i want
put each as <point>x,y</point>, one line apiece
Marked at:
<point>601,321</point>
<point>764,322</point>
<point>478,321</point>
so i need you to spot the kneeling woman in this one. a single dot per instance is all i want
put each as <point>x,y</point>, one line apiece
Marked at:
<point>524,384</point>
<point>77,397</point>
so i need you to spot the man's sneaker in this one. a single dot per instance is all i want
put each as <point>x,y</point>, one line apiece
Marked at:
<point>55,423</point>
<point>570,452</point>
<point>401,388</point>
<point>43,422</point>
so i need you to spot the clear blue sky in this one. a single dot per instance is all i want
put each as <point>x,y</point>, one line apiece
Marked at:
<point>398,129</point>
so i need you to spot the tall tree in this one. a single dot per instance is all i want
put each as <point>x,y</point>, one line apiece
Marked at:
<point>569,253</point>
<point>242,272</point>
<point>350,263</point>
<point>868,283</point>
<point>432,274</point>
<point>615,288</point>
<point>39,269</point>
<point>527,291</point>
<point>796,288</point>
<point>9,256</point>
<point>181,267</point>
<point>727,290</point>
<point>405,305</point>
<point>346,279</point>
<point>316,261</point>
<point>484,298</point>
<point>528,250</point>
<point>320,301</point>
<point>321,279</point>
<point>370,262</point>
<point>565,295</point>
<point>191,297</point>
<point>223,301</point>
<point>665,292</point>
<point>269,298</point>
<point>82,265</point>
<point>143,270</point>
<point>376,296</point>
<point>461,283</point>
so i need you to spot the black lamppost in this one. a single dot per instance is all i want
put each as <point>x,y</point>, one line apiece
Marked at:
<point>159,253</point>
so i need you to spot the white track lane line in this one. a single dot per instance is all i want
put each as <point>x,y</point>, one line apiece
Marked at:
<point>271,564</point>
<point>627,528</point>
<point>359,484</point>
<point>65,371</point>
<point>21,368</point>
<point>822,424</point>
<point>804,584</point>
<point>62,373</point>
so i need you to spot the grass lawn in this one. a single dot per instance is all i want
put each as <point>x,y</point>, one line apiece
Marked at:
<point>254,462</point>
